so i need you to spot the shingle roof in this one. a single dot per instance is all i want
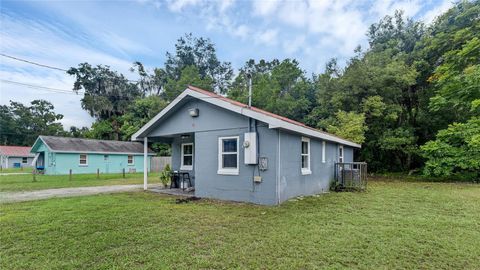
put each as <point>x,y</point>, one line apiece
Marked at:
<point>15,151</point>
<point>69,144</point>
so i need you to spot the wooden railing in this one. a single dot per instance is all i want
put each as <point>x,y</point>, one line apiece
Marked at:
<point>350,176</point>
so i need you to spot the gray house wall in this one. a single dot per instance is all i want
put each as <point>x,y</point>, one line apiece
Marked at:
<point>214,122</point>
<point>210,118</point>
<point>291,181</point>
<point>282,179</point>
<point>8,162</point>
<point>235,187</point>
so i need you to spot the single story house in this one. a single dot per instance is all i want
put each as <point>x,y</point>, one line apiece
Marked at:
<point>15,156</point>
<point>59,155</point>
<point>241,153</point>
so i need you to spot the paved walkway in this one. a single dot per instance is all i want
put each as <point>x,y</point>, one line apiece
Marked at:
<point>8,197</point>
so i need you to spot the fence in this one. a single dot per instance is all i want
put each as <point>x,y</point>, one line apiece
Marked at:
<point>158,163</point>
<point>351,176</point>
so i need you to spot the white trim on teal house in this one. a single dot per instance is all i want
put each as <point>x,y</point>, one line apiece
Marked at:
<point>59,155</point>
<point>263,161</point>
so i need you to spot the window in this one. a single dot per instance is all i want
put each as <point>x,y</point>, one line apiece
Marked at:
<point>24,160</point>
<point>228,155</point>
<point>130,160</point>
<point>324,145</point>
<point>187,157</point>
<point>306,156</point>
<point>83,160</point>
<point>340,153</point>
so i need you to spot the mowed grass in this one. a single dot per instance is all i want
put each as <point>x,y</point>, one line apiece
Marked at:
<point>16,170</point>
<point>395,225</point>
<point>25,182</point>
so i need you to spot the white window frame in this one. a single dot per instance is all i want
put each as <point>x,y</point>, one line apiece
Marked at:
<point>307,170</point>
<point>324,146</point>
<point>341,157</point>
<point>80,158</point>
<point>133,160</point>
<point>183,166</point>
<point>26,160</point>
<point>228,171</point>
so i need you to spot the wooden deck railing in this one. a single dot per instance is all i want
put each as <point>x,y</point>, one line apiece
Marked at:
<point>350,176</point>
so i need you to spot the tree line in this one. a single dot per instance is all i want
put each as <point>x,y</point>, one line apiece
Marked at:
<point>412,98</point>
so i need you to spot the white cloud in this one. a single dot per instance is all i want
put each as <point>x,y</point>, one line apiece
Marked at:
<point>431,15</point>
<point>123,44</point>
<point>224,5</point>
<point>267,37</point>
<point>241,31</point>
<point>179,5</point>
<point>47,44</point>
<point>292,46</point>
<point>293,13</point>
<point>388,7</point>
<point>265,7</point>
<point>67,104</point>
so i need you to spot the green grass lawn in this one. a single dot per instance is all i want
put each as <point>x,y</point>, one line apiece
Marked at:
<point>401,225</point>
<point>16,170</point>
<point>25,182</point>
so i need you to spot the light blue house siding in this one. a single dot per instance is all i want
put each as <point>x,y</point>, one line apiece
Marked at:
<point>62,163</point>
<point>282,179</point>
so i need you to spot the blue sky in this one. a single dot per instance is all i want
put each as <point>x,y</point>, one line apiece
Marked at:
<point>116,33</point>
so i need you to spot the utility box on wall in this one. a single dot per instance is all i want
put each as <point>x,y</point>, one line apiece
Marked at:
<point>250,147</point>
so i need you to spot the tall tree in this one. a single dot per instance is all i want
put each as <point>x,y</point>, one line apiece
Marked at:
<point>278,87</point>
<point>107,93</point>
<point>200,53</point>
<point>21,124</point>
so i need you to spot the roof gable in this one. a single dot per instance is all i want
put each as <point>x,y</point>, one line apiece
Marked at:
<point>273,120</point>
<point>80,145</point>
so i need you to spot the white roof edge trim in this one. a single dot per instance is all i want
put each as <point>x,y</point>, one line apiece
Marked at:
<point>40,138</point>
<point>137,135</point>
<point>271,121</point>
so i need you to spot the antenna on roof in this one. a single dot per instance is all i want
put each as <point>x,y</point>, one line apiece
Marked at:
<point>249,76</point>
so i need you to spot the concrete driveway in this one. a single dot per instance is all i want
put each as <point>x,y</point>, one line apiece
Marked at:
<point>8,197</point>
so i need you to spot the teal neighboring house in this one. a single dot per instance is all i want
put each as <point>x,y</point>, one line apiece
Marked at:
<point>59,155</point>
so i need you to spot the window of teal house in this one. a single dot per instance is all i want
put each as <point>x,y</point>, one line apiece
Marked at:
<point>130,160</point>
<point>83,160</point>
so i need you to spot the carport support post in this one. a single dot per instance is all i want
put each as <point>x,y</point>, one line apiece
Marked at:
<point>145,169</point>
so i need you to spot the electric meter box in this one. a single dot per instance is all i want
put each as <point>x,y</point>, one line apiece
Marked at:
<point>250,147</point>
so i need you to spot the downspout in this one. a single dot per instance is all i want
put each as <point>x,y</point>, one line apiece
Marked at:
<point>278,167</point>
<point>249,76</point>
